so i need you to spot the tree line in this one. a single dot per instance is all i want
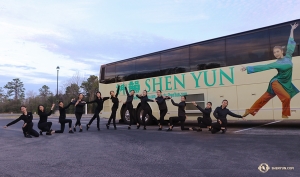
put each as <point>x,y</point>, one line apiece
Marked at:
<point>12,95</point>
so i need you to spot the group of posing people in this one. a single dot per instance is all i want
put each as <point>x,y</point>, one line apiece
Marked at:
<point>44,126</point>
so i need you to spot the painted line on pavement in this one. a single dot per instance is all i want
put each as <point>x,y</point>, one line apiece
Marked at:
<point>258,126</point>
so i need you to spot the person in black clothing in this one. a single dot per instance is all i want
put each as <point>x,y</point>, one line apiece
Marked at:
<point>114,98</point>
<point>43,125</point>
<point>62,117</point>
<point>220,114</point>
<point>129,106</point>
<point>99,100</point>
<point>79,104</point>
<point>206,120</point>
<point>145,107</point>
<point>27,117</point>
<point>181,114</point>
<point>163,109</point>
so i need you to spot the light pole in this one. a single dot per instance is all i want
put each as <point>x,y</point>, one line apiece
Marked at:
<point>57,68</point>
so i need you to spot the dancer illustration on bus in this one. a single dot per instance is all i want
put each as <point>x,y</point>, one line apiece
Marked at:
<point>281,84</point>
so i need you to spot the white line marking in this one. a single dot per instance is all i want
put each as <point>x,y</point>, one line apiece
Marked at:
<point>258,126</point>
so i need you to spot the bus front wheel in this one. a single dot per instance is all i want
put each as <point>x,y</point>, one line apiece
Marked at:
<point>148,121</point>
<point>126,115</point>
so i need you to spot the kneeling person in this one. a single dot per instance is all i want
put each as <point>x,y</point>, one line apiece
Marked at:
<point>204,121</point>
<point>220,114</point>
<point>181,114</point>
<point>27,117</point>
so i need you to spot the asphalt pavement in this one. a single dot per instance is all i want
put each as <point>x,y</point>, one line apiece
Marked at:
<point>247,149</point>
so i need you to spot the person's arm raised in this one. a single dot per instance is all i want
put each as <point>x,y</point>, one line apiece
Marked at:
<point>291,42</point>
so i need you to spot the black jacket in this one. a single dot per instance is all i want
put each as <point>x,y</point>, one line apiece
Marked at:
<point>44,116</point>
<point>221,114</point>
<point>62,111</point>
<point>206,112</point>
<point>161,101</point>
<point>99,102</point>
<point>79,106</point>
<point>129,99</point>
<point>26,118</point>
<point>144,100</point>
<point>115,99</point>
<point>181,108</point>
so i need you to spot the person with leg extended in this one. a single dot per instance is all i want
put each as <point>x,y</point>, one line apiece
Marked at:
<point>281,84</point>
<point>114,98</point>
<point>62,117</point>
<point>27,127</point>
<point>99,100</point>
<point>43,125</point>
<point>204,121</point>
<point>79,105</point>
<point>163,109</point>
<point>145,107</point>
<point>181,114</point>
<point>220,114</point>
<point>129,106</point>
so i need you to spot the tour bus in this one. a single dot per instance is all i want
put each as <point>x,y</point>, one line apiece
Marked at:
<point>206,71</point>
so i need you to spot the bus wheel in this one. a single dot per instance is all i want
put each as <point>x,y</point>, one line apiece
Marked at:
<point>148,121</point>
<point>126,116</point>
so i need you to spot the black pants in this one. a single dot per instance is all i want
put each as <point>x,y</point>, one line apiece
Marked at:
<point>162,116</point>
<point>181,119</point>
<point>216,127</point>
<point>203,123</point>
<point>78,116</point>
<point>131,113</point>
<point>28,129</point>
<point>145,112</point>
<point>96,115</point>
<point>112,116</point>
<point>62,125</point>
<point>45,126</point>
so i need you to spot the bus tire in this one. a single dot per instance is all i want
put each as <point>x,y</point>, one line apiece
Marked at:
<point>148,121</point>
<point>125,115</point>
<point>174,122</point>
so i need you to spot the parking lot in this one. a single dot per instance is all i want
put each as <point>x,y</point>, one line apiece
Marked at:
<point>122,152</point>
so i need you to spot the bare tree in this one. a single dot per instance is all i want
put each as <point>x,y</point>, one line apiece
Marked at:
<point>76,79</point>
<point>31,94</point>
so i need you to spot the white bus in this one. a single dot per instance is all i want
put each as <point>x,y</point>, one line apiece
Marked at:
<point>206,71</point>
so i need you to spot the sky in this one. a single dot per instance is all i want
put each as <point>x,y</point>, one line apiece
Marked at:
<point>79,36</point>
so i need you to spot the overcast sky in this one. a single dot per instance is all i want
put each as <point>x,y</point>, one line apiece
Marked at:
<point>36,36</point>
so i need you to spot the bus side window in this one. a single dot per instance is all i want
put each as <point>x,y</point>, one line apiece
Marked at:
<point>147,67</point>
<point>110,74</point>
<point>208,55</point>
<point>248,48</point>
<point>175,61</point>
<point>102,74</point>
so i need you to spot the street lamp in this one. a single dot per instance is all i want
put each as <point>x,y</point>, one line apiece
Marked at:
<point>57,68</point>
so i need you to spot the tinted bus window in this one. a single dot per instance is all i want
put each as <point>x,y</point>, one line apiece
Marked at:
<point>176,61</point>
<point>102,74</point>
<point>110,73</point>
<point>279,37</point>
<point>248,48</point>
<point>125,71</point>
<point>147,67</point>
<point>208,55</point>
